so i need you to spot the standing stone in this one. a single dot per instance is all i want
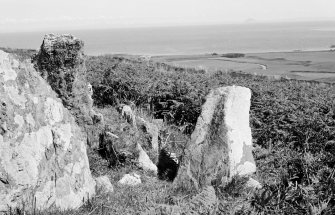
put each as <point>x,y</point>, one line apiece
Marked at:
<point>152,130</point>
<point>221,144</point>
<point>43,160</point>
<point>61,62</point>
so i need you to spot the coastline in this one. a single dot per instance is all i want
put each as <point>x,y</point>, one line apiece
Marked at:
<point>317,65</point>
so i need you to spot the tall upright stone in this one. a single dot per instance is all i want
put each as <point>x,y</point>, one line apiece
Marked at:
<point>43,160</point>
<point>61,62</point>
<point>221,144</point>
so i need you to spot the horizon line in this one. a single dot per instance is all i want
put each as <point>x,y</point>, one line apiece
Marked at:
<point>168,25</point>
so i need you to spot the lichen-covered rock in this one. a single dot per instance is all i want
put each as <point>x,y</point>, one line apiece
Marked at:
<point>42,151</point>
<point>61,62</point>
<point>221,144</point>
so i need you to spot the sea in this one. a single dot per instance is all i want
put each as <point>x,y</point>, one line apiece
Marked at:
<point>184,40</point>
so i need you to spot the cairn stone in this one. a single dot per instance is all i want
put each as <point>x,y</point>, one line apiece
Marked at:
<point>221,144</point>
<point>43,160</point>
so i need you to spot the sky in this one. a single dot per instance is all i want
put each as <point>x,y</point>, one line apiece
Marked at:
<point>34,15</point>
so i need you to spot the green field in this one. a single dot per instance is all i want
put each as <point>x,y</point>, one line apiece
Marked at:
<point>301,65</point>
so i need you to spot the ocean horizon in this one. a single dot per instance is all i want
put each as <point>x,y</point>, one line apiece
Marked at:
<point>182,40</point>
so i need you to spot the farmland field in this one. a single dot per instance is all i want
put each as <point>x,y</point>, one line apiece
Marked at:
<point>301,65</point>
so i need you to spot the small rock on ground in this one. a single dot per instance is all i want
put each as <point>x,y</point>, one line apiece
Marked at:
<point>131,179</point>
<point>103,183</point>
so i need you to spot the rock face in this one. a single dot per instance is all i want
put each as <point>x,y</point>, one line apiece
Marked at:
<point>61,62</point>
<point>221,144</point>
<point>43,160</point>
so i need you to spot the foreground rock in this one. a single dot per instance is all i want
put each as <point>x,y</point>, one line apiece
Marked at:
<point>221,144</point>
<point>42,151</point>
<point>61,62</point>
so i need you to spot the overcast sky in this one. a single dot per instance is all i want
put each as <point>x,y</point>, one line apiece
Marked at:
<point>32,15</point>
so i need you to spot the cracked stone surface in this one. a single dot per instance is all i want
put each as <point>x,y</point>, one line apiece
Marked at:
<point>42,150</point>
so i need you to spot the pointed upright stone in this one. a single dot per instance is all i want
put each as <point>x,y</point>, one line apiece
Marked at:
<point>221,144</point>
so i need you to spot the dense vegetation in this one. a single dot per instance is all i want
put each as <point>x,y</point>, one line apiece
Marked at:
<point>293,125</point>
<point>233,55</point>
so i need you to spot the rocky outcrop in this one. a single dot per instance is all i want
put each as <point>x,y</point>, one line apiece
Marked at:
<point>221,144</point>
<point>43,160</point>
<point>61,62</point>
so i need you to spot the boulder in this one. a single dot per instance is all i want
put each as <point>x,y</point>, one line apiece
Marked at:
<point>131,179</point>
<point>43,160</point>
<point>61,62</point>
<point>221,144</point>
<point>104,184</point>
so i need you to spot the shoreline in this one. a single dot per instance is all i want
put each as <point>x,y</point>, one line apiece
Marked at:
<point>316,65</point>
